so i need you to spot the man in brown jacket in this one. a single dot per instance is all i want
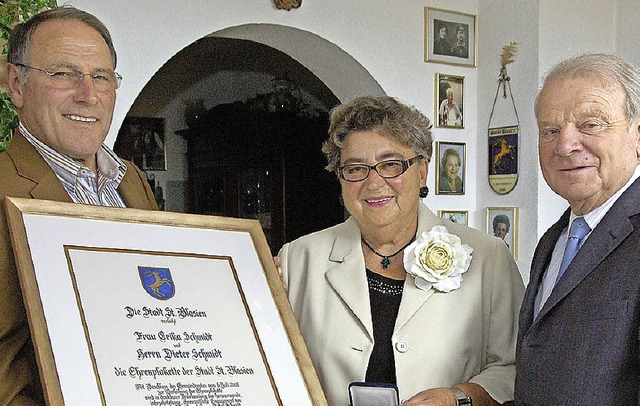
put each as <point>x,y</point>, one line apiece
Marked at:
<point>62,81</point>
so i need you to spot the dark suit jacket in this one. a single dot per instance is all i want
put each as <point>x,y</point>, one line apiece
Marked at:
<point>583,347</point>
<point>23,173</point>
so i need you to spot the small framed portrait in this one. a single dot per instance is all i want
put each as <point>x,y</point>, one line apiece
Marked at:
<point>449,37</point>
<point>449,101</point>
<point>142,141</point>
<point>460,217</point>
<point>450,168</point>
<point>502,222</point>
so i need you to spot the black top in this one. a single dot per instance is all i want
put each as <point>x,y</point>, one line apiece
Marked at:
<point>385,295</point>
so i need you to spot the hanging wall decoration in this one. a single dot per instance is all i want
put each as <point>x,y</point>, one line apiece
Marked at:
<point>503,140</point>
<point>287,4</point>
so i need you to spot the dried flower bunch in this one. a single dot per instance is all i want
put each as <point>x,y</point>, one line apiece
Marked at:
<point>508,54</point>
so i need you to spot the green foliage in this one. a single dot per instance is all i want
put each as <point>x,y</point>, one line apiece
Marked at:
<point>8,120</point>
<point>11,12</point>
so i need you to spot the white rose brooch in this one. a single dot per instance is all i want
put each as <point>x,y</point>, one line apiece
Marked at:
<point>437,259</point>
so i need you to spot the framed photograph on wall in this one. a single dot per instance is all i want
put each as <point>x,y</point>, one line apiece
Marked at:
<point>449,101</point>
<point>455,216</point>
<point>141,140</point>
<point>449,37</point>
<point>502,222</point>
<point>450,168</point>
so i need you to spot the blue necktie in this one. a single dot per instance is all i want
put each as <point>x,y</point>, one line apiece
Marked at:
<point>579,229</point>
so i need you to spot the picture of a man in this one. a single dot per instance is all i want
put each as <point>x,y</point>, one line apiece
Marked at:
<point>449,112</point>
<point>461,47</point>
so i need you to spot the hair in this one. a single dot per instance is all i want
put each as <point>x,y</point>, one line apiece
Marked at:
<point>449,91</point>
<point>19,47</point>
<point>501,218</point>
<point>605,66</point>
<point>447,153</point>
<point>460,28</point>
<point>382,114</point>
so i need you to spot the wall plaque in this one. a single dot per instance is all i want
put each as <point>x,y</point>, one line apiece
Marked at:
<point>150,308</point>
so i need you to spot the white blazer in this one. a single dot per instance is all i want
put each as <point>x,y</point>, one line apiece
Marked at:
<point>440,339</point>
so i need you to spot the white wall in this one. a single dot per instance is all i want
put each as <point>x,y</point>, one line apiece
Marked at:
<point>567,28</point>
<point>572,27</point>
<point>147,33</point>
<point>147,36</point>
<point>502,22</point>
<point>385,39</point>
<point>627,15</point>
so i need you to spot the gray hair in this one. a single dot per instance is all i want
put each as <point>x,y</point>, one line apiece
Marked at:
<point>20,38</point>
<point>383,114</point>
<point>501,218</point>
<point>606,66</point>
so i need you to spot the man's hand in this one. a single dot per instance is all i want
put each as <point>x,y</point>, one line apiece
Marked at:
<point>432,397</point>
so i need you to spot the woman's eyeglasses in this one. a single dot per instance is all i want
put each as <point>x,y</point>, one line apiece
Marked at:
<point>391,168</point>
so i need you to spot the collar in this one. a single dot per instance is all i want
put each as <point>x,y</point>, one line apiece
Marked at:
<point>594,216</point>
<point>109,165</point>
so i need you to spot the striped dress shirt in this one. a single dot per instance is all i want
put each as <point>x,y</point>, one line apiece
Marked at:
<point>80,181</point>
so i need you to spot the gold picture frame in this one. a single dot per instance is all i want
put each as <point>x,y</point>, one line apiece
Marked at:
<point>507,230</point>
<point>107,307</point>
<point>450,181</point>
<point>450,37</point>
<point>449,101</point>
<point>455,216</point>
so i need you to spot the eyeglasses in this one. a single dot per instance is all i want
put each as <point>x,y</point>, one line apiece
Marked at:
<point>66,80</point>
<point>386,169</point>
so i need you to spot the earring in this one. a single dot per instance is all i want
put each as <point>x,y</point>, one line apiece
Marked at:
<point>424,191</point>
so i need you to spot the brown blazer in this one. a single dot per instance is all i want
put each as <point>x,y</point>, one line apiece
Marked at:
<point>24,173</point>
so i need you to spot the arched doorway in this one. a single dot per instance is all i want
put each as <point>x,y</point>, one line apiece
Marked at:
<point>236,155</point>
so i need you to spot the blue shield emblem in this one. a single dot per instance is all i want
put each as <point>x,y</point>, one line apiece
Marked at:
<point>157,282</point>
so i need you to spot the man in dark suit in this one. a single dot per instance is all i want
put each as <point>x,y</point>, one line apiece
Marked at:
<point>578,341</point>
<point>62,81</point>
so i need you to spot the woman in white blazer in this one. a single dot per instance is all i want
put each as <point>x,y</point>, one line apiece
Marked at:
<point>395,294</point>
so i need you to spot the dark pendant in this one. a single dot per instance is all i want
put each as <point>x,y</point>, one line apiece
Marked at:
<point>385,262</point>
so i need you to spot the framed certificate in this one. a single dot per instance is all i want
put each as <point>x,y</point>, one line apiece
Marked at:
<point>140,307</point>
